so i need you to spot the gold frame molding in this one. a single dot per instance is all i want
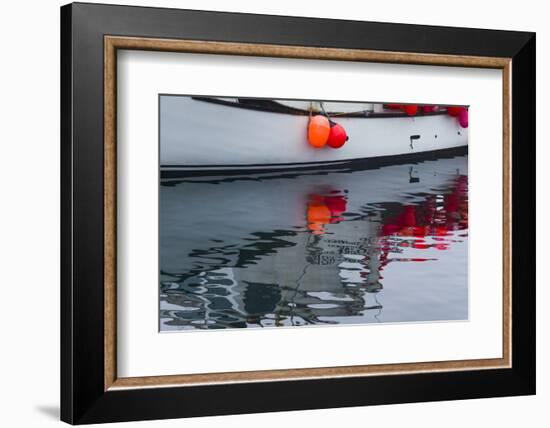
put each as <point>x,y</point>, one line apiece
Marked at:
<point>113,43</point>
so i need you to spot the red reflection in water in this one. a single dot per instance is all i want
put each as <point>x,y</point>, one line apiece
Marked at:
<point>322,210</point>
<point>402,226</point>
<point>435,217</point>
<point>431,217</point>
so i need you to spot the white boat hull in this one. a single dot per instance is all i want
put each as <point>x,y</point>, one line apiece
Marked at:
<point>199,135</point>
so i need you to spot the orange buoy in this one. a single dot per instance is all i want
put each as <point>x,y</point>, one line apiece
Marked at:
<point>410,109</point>
<point>318,131</point>
<point>337,136</point>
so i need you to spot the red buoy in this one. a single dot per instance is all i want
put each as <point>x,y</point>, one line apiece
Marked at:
<point>463,117</point>
<point>453,111</point>
<point>337,136</point>
<point>410,109</point>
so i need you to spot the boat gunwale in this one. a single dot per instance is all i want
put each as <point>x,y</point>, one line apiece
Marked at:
<point>283,109</point>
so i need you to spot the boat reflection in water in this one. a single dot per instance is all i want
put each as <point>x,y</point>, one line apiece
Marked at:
<point>327,247</point>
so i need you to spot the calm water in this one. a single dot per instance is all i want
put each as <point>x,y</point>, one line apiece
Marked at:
<point>294,249</point>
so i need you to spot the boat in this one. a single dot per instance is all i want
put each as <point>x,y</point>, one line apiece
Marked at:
<point>206,135</point>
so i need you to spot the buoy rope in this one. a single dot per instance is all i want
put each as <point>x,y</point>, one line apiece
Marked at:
<point>323,109</point>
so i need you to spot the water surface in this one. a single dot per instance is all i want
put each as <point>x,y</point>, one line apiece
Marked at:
<point>345,246</point>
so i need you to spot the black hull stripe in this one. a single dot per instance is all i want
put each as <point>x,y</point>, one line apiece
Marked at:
<point>362,163</point>
<point>256,165</point>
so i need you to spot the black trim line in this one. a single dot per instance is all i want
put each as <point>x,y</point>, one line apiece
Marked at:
<point>236,166</point>
<point>362,163</point>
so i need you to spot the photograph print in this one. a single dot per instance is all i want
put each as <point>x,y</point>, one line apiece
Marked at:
<point>289,213</point>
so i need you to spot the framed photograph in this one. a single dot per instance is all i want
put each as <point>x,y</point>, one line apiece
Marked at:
<point>277,213</point>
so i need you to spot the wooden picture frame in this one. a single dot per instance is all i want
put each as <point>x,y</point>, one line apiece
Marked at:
<point>91,390</point>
